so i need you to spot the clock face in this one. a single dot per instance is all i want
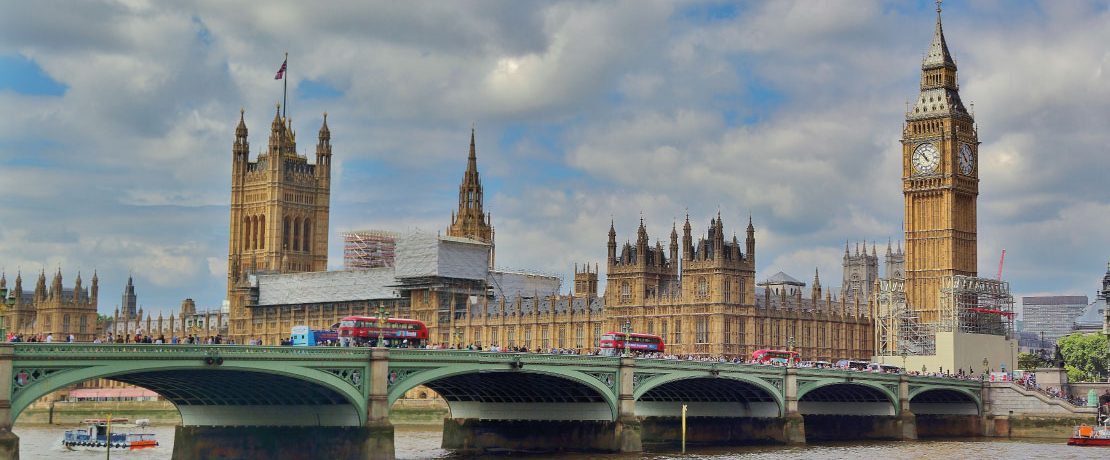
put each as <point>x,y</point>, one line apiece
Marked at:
<point>967,160</point>
<point>925,158</point>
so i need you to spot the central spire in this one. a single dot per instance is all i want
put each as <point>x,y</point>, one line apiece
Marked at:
<point>470,221</point>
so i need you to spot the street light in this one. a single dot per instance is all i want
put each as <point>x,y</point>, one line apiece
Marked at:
<point>626,328</point>
<point>986,366</point>
<point>458,338</point>
<point>381,325</point>
<point>1013,360</point>
<point>790,348</point>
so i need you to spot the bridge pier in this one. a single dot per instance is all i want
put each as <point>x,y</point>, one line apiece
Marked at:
<point>628,428</point>
<point>793,426</point>
<point>9,442</point>
<point>907,422</point>
<point>268,442</point>
<point>379,442</point>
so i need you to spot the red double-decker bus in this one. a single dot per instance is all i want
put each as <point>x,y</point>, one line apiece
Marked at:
<point>765,356</point>
<point>613,343</point>
<point>361,331</point>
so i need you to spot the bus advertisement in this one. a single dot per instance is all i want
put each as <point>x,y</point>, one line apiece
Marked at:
<point>613,343</point>
<point>766,356</point>
<point>360,331</point>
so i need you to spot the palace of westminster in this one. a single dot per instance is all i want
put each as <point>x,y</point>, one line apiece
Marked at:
<point>697,290</point>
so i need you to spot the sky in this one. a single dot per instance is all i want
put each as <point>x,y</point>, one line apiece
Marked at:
<point>119,116</point>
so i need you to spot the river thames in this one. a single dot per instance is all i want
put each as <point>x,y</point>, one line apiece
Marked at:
<point>422,442</point>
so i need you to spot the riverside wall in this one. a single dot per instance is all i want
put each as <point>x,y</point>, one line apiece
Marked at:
<point>1014,411</point>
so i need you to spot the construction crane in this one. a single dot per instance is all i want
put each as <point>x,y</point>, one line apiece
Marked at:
<point>1000,262</point>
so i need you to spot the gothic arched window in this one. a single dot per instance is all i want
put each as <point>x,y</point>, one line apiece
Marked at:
<point>626,292</point>
<point>306,235</point>
<point>703,287</point>
<point>297,234</point>
<point>285,233</point>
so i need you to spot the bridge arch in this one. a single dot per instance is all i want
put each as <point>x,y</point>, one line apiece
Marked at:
<point>536,392</point>
<point>945,401</point>
<point>722,395</point>
<point>288,395</point>
<point>847,398</point>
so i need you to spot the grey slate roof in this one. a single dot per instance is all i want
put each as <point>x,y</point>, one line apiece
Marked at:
<point>782,278</point>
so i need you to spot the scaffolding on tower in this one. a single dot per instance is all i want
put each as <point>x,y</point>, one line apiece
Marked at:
<point>898,329</point>
<point>976,306</point>
<point>368,249</point>
<point>967,304</point>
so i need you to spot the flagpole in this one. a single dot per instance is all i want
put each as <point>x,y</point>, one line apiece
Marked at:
<point>285,85</point>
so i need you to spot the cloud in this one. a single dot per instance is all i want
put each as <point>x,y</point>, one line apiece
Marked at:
<point>585,112</point>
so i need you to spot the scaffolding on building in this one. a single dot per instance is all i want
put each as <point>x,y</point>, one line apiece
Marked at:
<point>967,304</point>
<point>898,329</point>
<point>976,306</point>
<point>368,249</point>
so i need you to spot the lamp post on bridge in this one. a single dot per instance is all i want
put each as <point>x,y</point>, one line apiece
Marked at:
<point>1013,360</point>
<point>790,348</point>
<point>458,338</point>
<point>986,366</point>
<point>626,328</point>
<point>381,325</point>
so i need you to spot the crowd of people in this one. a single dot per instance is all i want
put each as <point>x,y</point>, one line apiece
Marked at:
<point>191,339</point>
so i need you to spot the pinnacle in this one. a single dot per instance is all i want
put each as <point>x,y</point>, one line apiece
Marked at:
<point>938,50</point>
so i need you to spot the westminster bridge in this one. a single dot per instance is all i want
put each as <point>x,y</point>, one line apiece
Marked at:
<point>314,402</point>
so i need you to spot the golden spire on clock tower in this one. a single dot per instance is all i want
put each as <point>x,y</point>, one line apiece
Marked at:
<point>940,182</point>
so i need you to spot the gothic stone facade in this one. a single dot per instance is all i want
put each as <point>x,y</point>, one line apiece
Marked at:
<point>704,303</point>
<point>940,182</point>
<point>279,213</point>
<point>56,310</point>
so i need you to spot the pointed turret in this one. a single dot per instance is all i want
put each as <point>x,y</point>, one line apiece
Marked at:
<point>641,235</point>
<point>674,242</point>
<point>938,50</point>
<point>77,285</point>
<point>3,280</point>
<point>612,244</point>
<point>750,242</point>
<point>18,291</point>
<point>40,286</point>
<point>323,150</point>
<point>241,129</point>
<point>816,295</point>
<point>277,129</point>
<point>940,94</point>
<point>687,240</point>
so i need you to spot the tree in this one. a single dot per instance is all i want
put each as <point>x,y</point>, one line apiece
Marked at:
<point>1029,361</point>
<point>1085,356</point>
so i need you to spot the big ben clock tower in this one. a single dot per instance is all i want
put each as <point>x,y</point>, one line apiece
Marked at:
<point>940,180</point>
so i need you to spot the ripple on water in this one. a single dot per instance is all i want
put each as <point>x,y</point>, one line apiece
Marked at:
<point>423,442</point>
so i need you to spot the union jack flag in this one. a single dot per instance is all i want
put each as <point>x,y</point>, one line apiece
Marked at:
<point>281,71</point>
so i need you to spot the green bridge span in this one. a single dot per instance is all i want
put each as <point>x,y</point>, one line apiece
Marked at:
<point>336,401</point>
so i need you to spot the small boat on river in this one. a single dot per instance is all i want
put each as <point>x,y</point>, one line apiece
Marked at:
<point>96,436</point>
<point>1093,435</point>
